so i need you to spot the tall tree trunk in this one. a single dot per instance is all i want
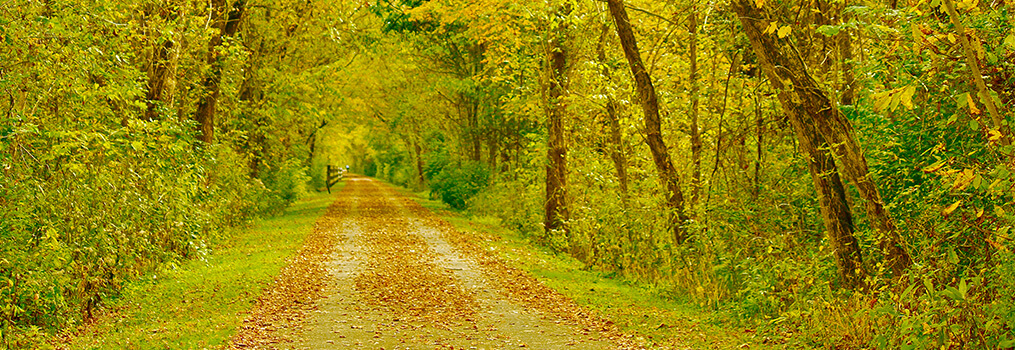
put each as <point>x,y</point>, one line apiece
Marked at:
<point>835,211</point>
<point>616,141</point>
<point>476,145</point>
<point>160,79</point>
<point>653,134</point>
<point>845,42</point>
<point>617,154</point>
<point>759,124</point>
<point>419,162</point>
<point>974,71</point>
<point>694,129</point>
<point>161,64</point>
<point>493,147</point>
<point>205,114</point>
<point>556,210</point>
<point>804,100</point>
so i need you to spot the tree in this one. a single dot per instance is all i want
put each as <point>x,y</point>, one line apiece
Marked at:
<point>820,124</point>
<point>668,175</point>
<point>692,26</point>
<point>206,106</point>
<point>556,211</point>
<point>617,149</point>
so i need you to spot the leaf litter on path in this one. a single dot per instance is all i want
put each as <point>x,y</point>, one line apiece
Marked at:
<point>382,272</point>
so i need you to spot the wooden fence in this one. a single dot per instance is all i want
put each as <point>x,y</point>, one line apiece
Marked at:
<point>335,174</point>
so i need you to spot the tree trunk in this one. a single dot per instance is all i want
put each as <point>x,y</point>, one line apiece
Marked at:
<point>557,213</point>
<point>803,99</point>
<point>974,71</point>
<point>835,211</point>
<point>845,43</point>
<point>493,147</point>
<point>160,66</point>
<point>617,154</point>
<point>653,134</point>
<point>419,162</point>
<point>617,150</point>
<point>759,124</point>
<point>160,79</point>
<point>475,153</point>
<point>205,114</point>
<point>694,130</point>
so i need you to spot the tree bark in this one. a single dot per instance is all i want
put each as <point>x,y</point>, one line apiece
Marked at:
<point>419,162</point>
<point>617,149</point>
<point>206,106</point>
<point>617,154</point>
<point>694,130</point>
<point>974,71</point>
<point>653,134</point>
<point>759,123</point>
<point>845,42</point>
<point>812,115</point>
<point>556,209</point>
<point>160,67</point>
<point>160,79</point>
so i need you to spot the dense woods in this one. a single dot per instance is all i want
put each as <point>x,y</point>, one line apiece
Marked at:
<point>837,170</point>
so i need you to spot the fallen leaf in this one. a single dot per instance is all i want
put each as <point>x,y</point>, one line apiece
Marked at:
<point>951,208</point>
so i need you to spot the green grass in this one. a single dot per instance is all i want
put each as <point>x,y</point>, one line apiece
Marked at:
<point>200,303</point>
<point>648,312</point>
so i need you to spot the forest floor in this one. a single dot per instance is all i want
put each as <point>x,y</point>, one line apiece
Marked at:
<point>381,271</point>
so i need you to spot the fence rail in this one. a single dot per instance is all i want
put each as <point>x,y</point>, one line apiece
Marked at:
<point>335,175</point>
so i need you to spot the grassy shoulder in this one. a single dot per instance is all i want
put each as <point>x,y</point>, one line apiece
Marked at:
<point>200,303</point>
<point>653,314</point>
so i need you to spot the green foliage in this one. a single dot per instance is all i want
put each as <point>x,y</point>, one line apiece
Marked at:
<point>517,204</point>
<point>101,177</point>
<point>286,184</point>
<point>97,209</point>
<point>456,184</point>
<point>170,297</point>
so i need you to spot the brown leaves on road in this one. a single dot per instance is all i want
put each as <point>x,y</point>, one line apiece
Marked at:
<point>401,272</point>
<point>519,284</point>
<point>281,311</point>
<point>398,278</point>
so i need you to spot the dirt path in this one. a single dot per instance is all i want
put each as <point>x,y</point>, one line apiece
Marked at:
<point>381,272</point>
<point>399,282</point>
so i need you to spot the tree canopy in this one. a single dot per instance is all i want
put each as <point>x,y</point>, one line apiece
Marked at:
<point>839,169</point>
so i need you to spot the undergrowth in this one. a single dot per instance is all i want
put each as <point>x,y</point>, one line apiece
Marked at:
<point>200,303</point>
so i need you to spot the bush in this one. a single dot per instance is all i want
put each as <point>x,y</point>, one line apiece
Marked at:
<point>86,211</point>
<point>285,184</point>
<point>517,206</point>
<point>455,185</point>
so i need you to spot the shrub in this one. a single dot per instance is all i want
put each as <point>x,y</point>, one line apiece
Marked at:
<point>86,211</point>
<point>455,185</point>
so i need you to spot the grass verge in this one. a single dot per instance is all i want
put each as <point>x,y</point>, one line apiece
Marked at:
<point>200,303</point>
<point>651,314</point>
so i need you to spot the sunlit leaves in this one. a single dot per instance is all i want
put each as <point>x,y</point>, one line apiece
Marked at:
<point>951,208</point>
<point>963,180</point>
<point>829,30</point>
<point>964,100</point>
<point>1009,41</point>
<point>889,101</point>
<point>784,31</point>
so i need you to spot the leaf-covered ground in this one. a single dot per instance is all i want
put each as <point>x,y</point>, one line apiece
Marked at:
<point>280,313</point>
<point>381,271</point>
